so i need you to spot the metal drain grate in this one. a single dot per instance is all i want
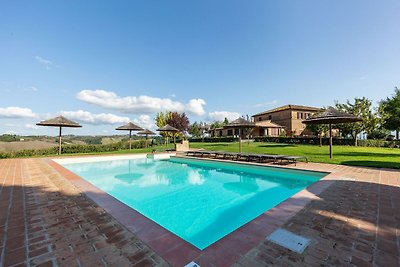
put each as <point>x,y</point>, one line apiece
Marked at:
<point>192,264</point>
<point>289,240</point>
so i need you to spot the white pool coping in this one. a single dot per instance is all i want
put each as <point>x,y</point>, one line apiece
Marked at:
<point>108,158</point>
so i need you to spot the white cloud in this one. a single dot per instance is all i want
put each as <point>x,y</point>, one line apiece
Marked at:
<point>94,119</point>
<point>9,132</point>
<point>33,88</point>
<point>31,126</point>
<point>221,115</point>
<point>47,63</point>
<point>16,112</point>
<point>145,121</point>
<point>139,104</point>
<point>195,106</point>
<point>266,104</point>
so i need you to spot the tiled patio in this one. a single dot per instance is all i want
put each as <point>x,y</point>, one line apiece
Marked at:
<point>47,221</point>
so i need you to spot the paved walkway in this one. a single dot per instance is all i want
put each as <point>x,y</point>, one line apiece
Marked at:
<point>45,221</point>
<point>355,222</point>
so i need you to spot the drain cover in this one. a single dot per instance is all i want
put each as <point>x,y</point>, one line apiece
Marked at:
<point>289,240</point>
<point>192,264</point>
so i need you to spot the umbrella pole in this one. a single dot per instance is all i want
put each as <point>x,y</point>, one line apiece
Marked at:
<point>240,141</point>
<point>330,140</point>
<point>59,142</point>
<point>130,139</point>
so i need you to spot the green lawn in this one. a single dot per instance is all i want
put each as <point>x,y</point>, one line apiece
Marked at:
<point>346,155</point>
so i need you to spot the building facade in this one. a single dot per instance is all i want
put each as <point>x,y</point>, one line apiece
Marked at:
<point>290,117</point>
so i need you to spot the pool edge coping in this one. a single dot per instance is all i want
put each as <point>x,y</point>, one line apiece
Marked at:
<point>179,252</point>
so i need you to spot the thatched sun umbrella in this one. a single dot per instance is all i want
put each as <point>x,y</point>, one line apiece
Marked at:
<point>240,124</point>
<point>168,129</point>
<point>129,127</point>
<point>61,122</point>
<point>146,133</point>
<point>331,116</point>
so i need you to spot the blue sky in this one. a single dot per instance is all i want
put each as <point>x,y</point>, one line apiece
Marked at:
<point>106,62</point>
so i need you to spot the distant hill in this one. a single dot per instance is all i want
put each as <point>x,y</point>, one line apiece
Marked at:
<point>10,143</point>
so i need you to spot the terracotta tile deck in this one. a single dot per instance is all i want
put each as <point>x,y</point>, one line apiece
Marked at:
<point>352,217</point>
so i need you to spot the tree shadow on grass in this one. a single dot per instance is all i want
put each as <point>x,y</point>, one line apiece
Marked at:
<point>366,154</point>
<point>372,163</point>
<point>277,145</point>
<point>216,144</point>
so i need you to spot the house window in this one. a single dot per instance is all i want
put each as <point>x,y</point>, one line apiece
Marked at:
<point>230,133</point>
<point>270,117</point>
<point>259,118</point>
<point>298,115</point>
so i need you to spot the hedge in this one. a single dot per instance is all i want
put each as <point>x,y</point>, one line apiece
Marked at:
<point>71,149</point>
<point>215,139</point>
<point>305,140</point>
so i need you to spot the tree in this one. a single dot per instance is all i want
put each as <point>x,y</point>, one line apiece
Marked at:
<point>216,124</point>
<point>225,121</point>
<point>194,130</point>
<point>162,118</point>
<point>361,108</point>
<point>391,109</point>
<point>318,130</point>
<point>178,120</point>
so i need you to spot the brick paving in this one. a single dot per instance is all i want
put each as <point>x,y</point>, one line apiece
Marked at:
<point>355,222</point>
<point>46,221</point>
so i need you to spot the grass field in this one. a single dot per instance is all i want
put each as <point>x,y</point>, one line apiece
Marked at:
<point>345,155</point>
<point>17,146</point>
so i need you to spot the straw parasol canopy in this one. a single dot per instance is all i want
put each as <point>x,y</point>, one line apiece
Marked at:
<point>129,127</point>
<point>59,121</point>
<point>331,116</point>
<point>146,132</point>
<point>168,129</point>
<point>240,124</point>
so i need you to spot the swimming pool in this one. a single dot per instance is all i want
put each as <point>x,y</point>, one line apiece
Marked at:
<point>198,200</point>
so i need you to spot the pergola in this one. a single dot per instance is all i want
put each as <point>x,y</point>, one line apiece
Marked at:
<point>129,127</point>
<point>146,133</point>
<point>331,116</point>
<point>168,129</point>
<point>60,122</point>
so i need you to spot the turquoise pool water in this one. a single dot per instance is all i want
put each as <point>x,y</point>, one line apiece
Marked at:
<point>200,201</point>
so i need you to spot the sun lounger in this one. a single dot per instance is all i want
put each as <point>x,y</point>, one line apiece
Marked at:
<point>191,153</point>
<point>244,156</point>
<point>293,159</point>
<point>230,155</point>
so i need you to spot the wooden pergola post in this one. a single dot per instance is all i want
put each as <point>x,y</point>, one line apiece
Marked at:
<point>330,140</point>
<point>59,142</point>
